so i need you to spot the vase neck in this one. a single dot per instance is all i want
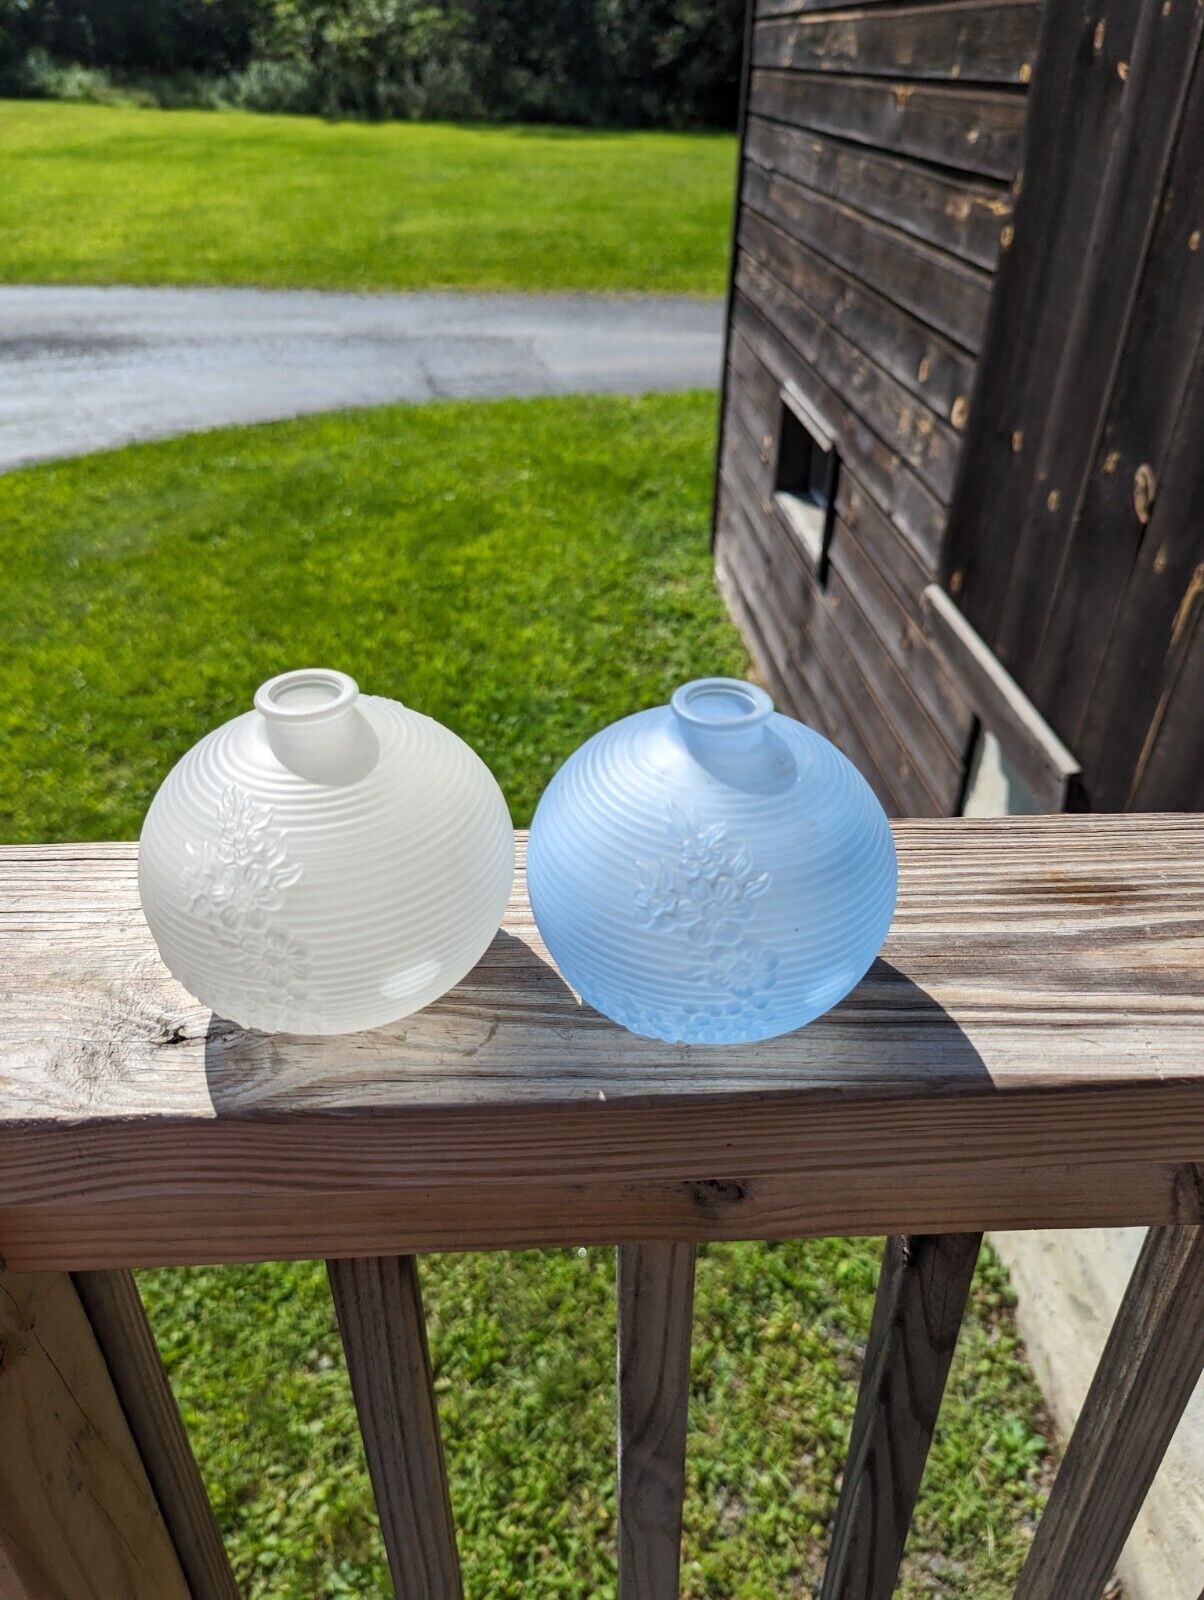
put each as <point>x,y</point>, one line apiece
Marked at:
<point>722,716</point>
<point>314,726</point>
<point>727,726</point>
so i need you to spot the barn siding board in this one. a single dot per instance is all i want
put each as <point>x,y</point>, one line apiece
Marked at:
<point>1142,680</point>
<point>971,41</point>
<point>839,703</point>
<point>1012,364</point>
<point>901,636</point>
<point>915,510</point>
<point>875,696</point>
<point>930,366</point>
<point>1132,456</point>
<point>1094,341</point>
<point>903,422</point>
<point>957,214</point>
<point>971,130</point>
<point>783,8</point>
<point>1075,116</point>
<point>942,291</point>
<point>874,193</point>
<point>810,647</point>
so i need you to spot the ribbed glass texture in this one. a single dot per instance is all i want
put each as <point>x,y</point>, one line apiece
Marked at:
<point>711,871</point>
<point>329,861</point>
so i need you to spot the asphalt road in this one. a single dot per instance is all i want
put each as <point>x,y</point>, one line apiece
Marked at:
<point>90,368</point>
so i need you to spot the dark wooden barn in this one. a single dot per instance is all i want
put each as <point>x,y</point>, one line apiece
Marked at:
<point>959,511</point>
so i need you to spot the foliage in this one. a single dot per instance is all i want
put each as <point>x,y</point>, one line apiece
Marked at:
<point>601,62</point>
<point>115,196</point>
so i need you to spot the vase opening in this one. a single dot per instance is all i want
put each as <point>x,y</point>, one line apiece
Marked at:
<point>721,710</point>
<point>314,726</point>
<point>312,694</point>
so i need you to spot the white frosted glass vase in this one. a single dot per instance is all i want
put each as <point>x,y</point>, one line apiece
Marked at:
<point>327,862</point>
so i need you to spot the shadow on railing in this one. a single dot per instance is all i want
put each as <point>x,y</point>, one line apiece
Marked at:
<point>1021,1058</point>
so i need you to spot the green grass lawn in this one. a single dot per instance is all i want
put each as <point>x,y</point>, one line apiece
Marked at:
<point>102,194</point>
<point>526,571</point>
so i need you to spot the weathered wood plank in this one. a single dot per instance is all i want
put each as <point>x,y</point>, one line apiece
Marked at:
<point>1135,450</point>
<point>655,1293</point>
<point>1072,126</point>
<point>897,490</point>
<point>779,8</point>
<point>119,1322</point>
<point>798,653</point>
<point>849,655</point>
<point>958,214</point>
<point>904,423</point>
<point>932,367</point>
<point>972,130</point>
<point>899,630</point>
<point>379,1305</point>
<point>1144,669</point>
<point>1165,50</point>
<point>972,41</point>
<point>1170,769</point>
<point>922,1293</point>
<point>1044,762</point>
<point>1150,1366</point>
<point>78,1518</point>
<point>938,765</point>
<point>948,294</point>
<point>1027,1053</point>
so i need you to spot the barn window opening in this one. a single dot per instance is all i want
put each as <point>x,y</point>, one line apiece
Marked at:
<point>805,473</point>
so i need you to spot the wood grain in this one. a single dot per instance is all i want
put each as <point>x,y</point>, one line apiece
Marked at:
<point>970,130</point>
<point>1150,429</point>
<point>78,1518</point>
<point>1166,49</point>
<point>851,670</point>
<point>119,1322</point>
<point>896,489</point>
<point>922,1292</point>
<point>959,214</point>
<point>1147,1373</point>
<point>1028,1051</point>
<point>924,361</point>
<point>655,1293</point>
<point>950,295</point>
<point>1073,123</point>
<point>379,1305</point>
<point>905,423</point>
<point>1043,761</point>
<point>971,41</point>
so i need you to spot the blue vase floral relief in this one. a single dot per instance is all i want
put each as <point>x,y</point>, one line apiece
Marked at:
<point>710,871</point>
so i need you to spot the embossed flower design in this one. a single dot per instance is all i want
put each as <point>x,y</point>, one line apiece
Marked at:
<point>744,968</point>
<point>706,896</point>
<point>235,884</point>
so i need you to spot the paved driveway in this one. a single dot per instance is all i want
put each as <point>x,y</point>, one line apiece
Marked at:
<point>87,369</point>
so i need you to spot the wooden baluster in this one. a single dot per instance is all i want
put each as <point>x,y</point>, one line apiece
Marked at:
<point>78,1515</point>
<point>379,1305</point>
<point>921,1298</point>
<point>1146,1375</point>
<point>119,1321</point>
<point>655,1284</point>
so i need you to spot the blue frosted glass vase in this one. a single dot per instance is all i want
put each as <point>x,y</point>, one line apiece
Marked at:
<point>711,871</point>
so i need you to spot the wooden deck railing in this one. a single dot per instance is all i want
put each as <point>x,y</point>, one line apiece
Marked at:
<point>1029,1052</point>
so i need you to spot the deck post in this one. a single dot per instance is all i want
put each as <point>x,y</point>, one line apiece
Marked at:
<point>79,1519</point>
<point>655,1292</point>
<point>1146,1375</point>
<point>922,1291</point>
